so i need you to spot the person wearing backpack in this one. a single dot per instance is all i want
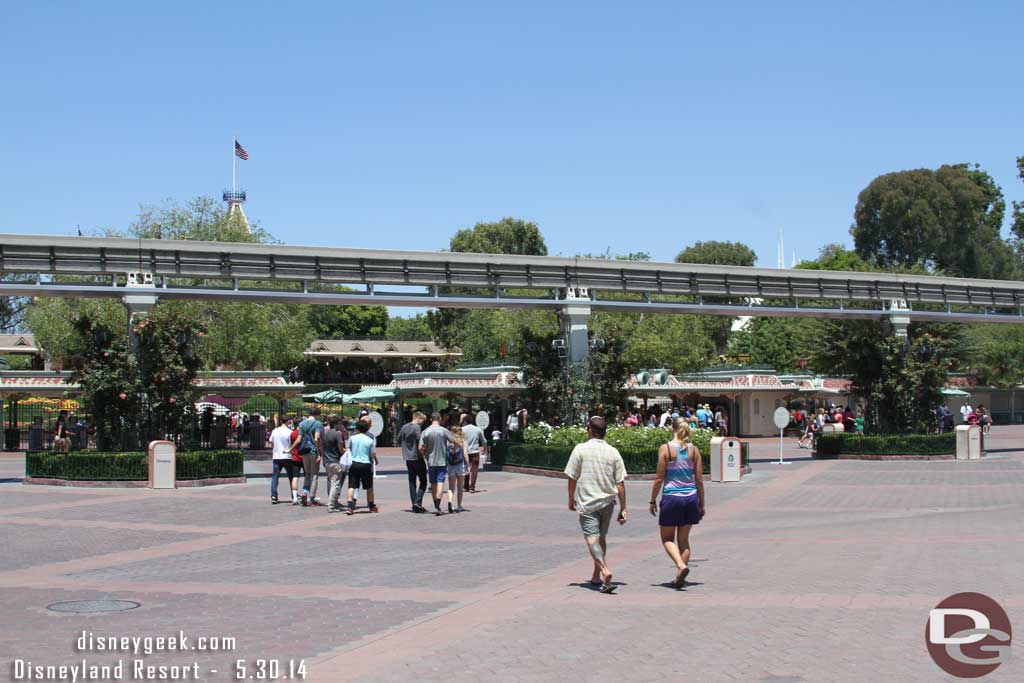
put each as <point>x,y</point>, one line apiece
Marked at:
<point>311,432</point>
<point>456,474</point>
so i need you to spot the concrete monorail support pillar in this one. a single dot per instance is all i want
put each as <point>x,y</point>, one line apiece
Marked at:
<point>573,318</point>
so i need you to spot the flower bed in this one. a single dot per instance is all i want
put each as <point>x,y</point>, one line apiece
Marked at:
<point>130,467</point>
<point>910,445</point>
<point>555,457</point>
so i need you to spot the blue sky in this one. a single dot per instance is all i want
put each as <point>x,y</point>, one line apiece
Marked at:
<point>622,126</point>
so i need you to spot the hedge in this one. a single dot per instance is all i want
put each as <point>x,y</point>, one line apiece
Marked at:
<point>891,444</point>
<point>93,466</point>
<point>544,457</point>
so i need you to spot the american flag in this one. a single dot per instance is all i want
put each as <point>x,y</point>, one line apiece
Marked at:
<point>240,152</point>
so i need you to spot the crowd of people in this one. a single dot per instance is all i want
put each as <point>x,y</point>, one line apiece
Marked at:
<point>811,425</point>
<point>446,455</point>
<point>968,416</point>
<point>697,416</point>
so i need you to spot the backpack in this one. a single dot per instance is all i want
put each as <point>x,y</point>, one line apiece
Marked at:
<point>306,445</point>
<point>454,456</point>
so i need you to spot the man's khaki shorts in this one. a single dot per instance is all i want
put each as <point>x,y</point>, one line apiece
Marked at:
<point>596,523</point>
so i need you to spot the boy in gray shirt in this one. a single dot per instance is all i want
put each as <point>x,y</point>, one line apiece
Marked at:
<point>416,467</point>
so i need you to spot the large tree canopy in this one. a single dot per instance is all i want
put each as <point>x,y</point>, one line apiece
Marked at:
<point>473,331</point>
<point>946,220</point>
<point>507,236</point>
<point>718,254</point>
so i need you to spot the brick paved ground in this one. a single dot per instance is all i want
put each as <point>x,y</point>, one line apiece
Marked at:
<point>815,571</point>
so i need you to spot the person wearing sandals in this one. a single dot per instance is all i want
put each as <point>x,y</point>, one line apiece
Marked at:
<point>679,480</point>
<point>597,476</point>
<point>456,470</point>
<point>360,473</point>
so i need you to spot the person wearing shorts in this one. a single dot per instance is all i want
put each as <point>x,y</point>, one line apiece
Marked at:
<point>597,476</point>
<point>679,480</point>
<point>364,456</point>
<point>456,474</point>
<point>434,442</point>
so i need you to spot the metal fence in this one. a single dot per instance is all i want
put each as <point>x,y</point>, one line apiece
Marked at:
<point>31,425</point>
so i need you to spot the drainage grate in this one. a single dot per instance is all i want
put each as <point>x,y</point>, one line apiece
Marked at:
<point>92,606</point>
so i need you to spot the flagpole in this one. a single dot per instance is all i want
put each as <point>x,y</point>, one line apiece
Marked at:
<point>233,142</point>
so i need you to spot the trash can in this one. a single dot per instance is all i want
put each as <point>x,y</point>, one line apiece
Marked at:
<point>726,459</point>
<point>162,465</point>
<point>219,435</point>
<point>257,437</point>
<point>968,442</point>
<point>12,439</point>
<point>35,435</point>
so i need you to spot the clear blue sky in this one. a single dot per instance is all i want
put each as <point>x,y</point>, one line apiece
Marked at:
<point>629,126</point>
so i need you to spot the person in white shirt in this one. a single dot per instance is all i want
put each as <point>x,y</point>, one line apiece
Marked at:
<point>281,440</point>
<point>966,411</point>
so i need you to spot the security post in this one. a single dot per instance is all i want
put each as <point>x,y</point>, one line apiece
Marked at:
<point>726,458</point>
<point>163,456</point>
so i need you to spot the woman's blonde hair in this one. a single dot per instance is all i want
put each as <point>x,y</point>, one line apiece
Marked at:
<point>456,431</point>
<point>681,429</point>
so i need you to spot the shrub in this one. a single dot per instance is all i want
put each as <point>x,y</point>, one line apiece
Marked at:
<point>93,466</point>
<point>891,444</point>
<point>538,433</point>
<point>642,460</point>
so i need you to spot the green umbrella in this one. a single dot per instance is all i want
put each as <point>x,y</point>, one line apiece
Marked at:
<point>330,396</point>
<point>370,396</point>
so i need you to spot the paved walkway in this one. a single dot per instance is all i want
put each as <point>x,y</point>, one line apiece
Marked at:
<point>815,571</point>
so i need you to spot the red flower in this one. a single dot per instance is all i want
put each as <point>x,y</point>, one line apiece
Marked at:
<point>171,400</point>
<point>123,395</point>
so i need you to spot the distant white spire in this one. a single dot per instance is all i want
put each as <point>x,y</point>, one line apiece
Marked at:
<point>792,264</point>
<point>782,250</point>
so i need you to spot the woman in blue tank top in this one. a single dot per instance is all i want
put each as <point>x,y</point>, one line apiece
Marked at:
<point>681,486</point>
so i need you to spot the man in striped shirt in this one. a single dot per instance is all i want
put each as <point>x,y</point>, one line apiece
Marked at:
<point>597,476</point>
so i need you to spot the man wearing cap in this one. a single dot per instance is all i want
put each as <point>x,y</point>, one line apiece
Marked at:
<point>597,476</point>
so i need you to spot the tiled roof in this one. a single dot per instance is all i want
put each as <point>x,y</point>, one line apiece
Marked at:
<point>378,348</point>
<point>50,382</point>
<point>18,343</point>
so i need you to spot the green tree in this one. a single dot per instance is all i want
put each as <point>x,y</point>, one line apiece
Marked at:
<point>778,342</point>
<point>203,218</point>
<point>836,257</point>
<point>469,329</point>
<point>718,253</point>
<point>996,354</point>
<point>106,369</point>
<point>900,382</point>
<point>721,254</point>
<point>1018,221</point>
<point>507,236</point>
<point>415,328</point>
<point>341,322</point>
<point>169,359</point>
<point>946,220</point>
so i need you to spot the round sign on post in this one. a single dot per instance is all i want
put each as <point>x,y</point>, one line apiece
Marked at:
<point>781,418</point>
<point>483,420</point>
<point>376,423</point>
